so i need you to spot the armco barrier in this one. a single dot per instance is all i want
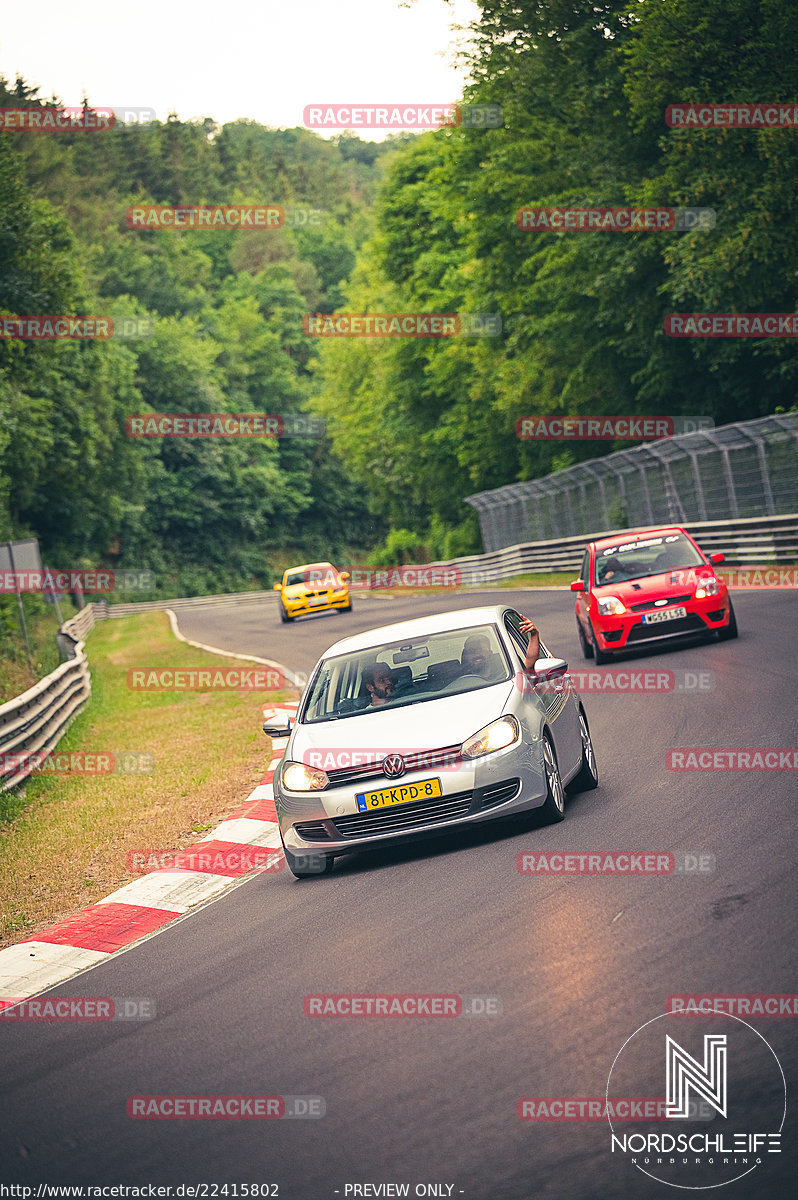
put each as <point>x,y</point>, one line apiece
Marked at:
<point>35,722</point>
<point>746,542</point>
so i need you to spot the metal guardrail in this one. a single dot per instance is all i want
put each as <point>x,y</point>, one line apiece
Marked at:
<point>134,607</point>
<point>35,722</point>
<point>745,543</point>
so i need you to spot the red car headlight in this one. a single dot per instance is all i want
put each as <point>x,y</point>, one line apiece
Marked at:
<point>611,606</point>
<point>707,587</point>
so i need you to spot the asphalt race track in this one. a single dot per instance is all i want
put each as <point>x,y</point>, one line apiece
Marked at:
<point>574,964</point>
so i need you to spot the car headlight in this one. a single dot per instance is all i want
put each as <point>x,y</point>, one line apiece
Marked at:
<point>611,606</point>
<point>296,777</point>
<point>496,736</point>
<point>707,587</point>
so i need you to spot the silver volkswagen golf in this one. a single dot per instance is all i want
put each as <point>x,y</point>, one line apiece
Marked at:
<point>422,726</point>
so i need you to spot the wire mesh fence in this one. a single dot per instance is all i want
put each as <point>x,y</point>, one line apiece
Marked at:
<point>748,469</point>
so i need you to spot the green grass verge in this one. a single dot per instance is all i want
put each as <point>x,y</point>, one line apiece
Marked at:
<point>64,843</point>
<point>538,579</point>
<point>42,625</point>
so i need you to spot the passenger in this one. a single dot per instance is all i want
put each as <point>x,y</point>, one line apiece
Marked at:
<point>476,651</point>
<point>533,645</point>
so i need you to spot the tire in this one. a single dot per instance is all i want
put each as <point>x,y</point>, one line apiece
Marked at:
<point>729,631</point>
<point>600,656</point>
<point>284,617</point>
<point>584,644</point>
<point>553,808</point>
<point>588,778</point>
<point>303,866</point>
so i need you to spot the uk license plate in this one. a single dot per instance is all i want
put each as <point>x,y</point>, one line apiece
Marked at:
<point>314,601</point>
<point>403,793</point>
<point>666,614</point>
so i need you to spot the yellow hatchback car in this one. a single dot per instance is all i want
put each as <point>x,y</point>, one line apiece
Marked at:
<point>311,588</point>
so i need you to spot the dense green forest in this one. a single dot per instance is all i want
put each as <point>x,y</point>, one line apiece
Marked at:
<point>420,223</point>
<point>583,88</point>
<point>225,336</point>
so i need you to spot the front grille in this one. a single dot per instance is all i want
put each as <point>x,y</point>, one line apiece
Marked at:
<point>405,816</point>
<point>313,831</point>
<point>497,793</point>
<point>423,760</point>
<point>650,603</point>
<point>688,624</point>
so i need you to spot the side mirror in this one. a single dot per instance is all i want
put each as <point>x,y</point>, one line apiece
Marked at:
<point>277,587</point>
<point>578,585</point>
<point>717,558</point>
<point>277,730</point>
<point>345,576</point>
<point>550,668</point>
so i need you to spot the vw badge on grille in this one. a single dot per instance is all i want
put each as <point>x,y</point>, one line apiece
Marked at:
<point>393,766</point>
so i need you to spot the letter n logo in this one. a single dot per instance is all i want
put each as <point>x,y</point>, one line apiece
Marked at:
<point>684,1072</point>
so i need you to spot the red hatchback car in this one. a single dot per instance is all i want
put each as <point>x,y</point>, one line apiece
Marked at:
<point>648,586</point>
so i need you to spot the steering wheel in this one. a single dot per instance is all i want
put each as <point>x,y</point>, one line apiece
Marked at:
<point>460,679</point>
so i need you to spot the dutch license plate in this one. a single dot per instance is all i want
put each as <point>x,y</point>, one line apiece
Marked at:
<point>667,614</point>
<point>403,793</point>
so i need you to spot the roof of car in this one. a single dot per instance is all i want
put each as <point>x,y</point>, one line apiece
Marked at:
<point>632,535</point>
<point>464,618</point>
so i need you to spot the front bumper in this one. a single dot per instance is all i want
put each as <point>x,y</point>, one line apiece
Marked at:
<point>329,822</point>
<point>628,631</point>
<point>303,607</point>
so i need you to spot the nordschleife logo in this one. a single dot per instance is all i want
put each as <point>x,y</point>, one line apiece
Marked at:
<point>725,1102</point>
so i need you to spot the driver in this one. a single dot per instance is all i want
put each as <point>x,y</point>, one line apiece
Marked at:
<point>381,685</point>
<point>611,569</point>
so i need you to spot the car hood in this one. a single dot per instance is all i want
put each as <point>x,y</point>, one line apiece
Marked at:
<point>302,589</point>
<point>424,726</point>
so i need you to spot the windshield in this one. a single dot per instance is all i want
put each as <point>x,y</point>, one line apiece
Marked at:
<point>649,556</point>
<point>320,574</point>
<point>407,672</point>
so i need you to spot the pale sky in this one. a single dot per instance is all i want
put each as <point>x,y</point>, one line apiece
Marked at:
<point>263,60</point>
